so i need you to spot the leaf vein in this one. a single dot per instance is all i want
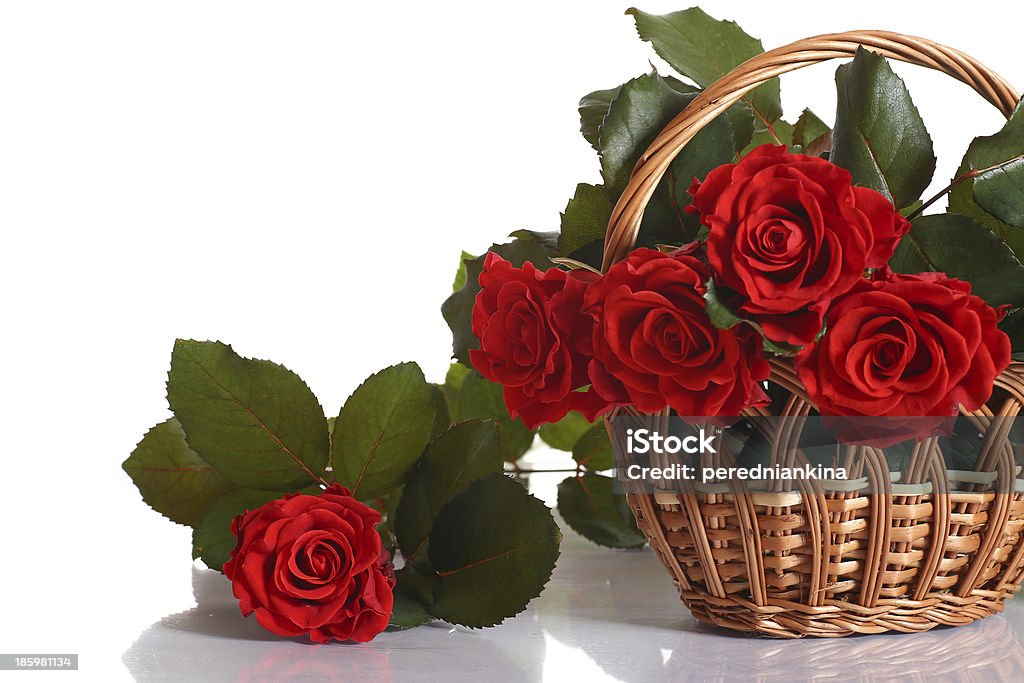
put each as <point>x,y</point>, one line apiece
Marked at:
<point>259,423</point>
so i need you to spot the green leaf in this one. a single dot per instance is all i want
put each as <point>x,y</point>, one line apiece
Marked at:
<point>535,247</point>
<point>442,420</point>
<point>593,109</point>
<point>962,201</point>
<point>588,505</point>
<point>585,218</point>
<point>641,110</point>
<point>780,348</point>
<point>879,135</point>
<point>464,453</point>
<point>526,243</point>
<point>255,421</point>
<point>593,450</point>
<point>460,274</point>
<point>808,128</point>
<point>386,506</point>
<point>962,248</point>
<point>590,255</point>
<point>705,49</point>
<point>456,375</point>
<point>414,594</point>
<point>595,106</point>
<point>408,612</point>
<point>721,315</point>
<point>483,399</point>
<point>212,540</point>
<point>910,258</point>
<point>564,434</point>
<point>494,547</point>
<point>999,159</point>
<point>1013,326</point>
<point>470,396</point>
<point>171,477</point>
<point>382,430</point>
<point>811,133</point>
<point>637,114</point>
<point>912,209</point>
<point>780,133</point>
<point>743,124</point>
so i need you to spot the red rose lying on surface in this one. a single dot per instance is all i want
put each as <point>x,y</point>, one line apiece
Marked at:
<point>534,339</point>
<point>654,344</point>
<point>788,233</point>
<point>909,345</point>
<point>313,565</point>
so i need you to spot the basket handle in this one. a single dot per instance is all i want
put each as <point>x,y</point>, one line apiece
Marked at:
<point>723,93</point>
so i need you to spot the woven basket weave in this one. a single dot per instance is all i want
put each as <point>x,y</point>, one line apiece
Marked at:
<point>926,549</point>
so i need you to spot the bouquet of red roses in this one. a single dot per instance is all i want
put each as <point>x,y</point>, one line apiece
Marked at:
<point>794,262</point>
<point>734,264</point>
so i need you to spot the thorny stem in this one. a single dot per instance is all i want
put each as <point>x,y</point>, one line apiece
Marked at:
<point>942,193</point>
<point>973,173</point>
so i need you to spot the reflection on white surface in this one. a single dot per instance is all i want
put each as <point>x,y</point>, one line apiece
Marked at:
<point>606,614</point>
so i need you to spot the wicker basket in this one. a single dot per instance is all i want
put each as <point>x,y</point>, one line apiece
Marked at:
<point>919,552</point>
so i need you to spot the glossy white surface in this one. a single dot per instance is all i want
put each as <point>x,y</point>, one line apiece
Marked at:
<point>606,615</point>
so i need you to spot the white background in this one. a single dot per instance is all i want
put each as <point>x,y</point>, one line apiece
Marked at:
<point>297,179</point>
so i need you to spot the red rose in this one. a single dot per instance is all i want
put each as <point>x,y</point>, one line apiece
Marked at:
<point>534,339</point>
<point>911,345</point>
<point>654,344</point>
<point>788,233</point>
<point>314,565</point>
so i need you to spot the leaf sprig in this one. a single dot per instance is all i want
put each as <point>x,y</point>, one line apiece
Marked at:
<point>246,432</point>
